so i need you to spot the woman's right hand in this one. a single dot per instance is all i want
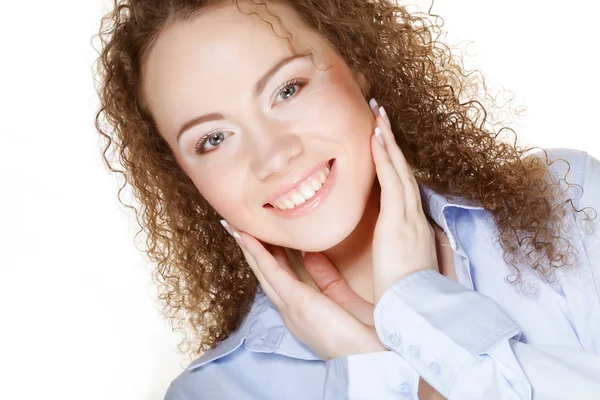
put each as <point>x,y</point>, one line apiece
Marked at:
<point>327,326</point>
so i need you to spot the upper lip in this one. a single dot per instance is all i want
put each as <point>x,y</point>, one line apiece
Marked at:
<point>292,184</point>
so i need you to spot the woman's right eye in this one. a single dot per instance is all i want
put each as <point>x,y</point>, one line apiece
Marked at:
<point>213,139</point>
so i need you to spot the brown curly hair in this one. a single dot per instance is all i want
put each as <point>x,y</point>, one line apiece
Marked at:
<point>205,284</point>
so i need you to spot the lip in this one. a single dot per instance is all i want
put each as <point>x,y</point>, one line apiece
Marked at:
<point>314,201</point>
<point>286,187</point>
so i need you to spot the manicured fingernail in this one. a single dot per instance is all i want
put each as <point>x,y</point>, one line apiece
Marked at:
<point>373,104</point>
<point>385,116</point>
<point>226,226</point>
<point>232,232</point>
<point>378,136</point>
<point>239,238</point>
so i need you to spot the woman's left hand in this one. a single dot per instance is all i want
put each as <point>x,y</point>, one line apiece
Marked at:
<point>404,241</point>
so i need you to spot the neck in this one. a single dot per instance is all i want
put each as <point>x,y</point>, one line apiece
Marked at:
<point>353,256</point>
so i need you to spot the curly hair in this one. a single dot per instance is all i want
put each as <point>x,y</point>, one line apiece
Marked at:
<point>205,285</point>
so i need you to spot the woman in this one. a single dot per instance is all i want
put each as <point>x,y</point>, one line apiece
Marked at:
<point>392,248</point>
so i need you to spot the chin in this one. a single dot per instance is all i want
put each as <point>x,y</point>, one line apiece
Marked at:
<point>336,227</point>
<point>335,219</point>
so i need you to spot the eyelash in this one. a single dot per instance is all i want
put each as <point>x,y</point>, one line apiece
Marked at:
<point>300,82</point>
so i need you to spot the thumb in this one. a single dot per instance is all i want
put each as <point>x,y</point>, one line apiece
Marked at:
<point>328,279</point>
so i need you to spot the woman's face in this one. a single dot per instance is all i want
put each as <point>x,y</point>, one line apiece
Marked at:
<point>255,129</point>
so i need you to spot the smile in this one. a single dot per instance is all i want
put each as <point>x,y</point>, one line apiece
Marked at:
<point>307,195</point>
<point>304,191</point>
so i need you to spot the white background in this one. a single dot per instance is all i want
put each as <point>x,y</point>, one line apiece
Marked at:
<point>78,316</point>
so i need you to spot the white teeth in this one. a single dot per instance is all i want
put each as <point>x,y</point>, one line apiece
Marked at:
<point>298,199</point>
<point>307,191</point>
<point>303,193</point>
<point>288,204</point>
<point>284,204</point>
<point>316,185</point>
<point>322,177</point>
<point>281,204</point>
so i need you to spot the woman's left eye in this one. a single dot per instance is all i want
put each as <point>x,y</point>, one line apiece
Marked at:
<point>290,89</point>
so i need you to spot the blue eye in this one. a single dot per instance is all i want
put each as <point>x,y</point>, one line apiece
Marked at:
<point>213,139</point>
<point>290,89</point>
<point>288,92</point>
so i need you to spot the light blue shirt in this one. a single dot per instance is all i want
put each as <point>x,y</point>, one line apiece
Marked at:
<point>477,338</point>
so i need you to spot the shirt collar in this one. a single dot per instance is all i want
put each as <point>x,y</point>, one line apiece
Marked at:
<point>445,210</point>
<point>263,330</point>
<point>438,207</point>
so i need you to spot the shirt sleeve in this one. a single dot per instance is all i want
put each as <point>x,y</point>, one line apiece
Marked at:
<point>466,347</point>
<point>174,394</point>
<point>382,376</point>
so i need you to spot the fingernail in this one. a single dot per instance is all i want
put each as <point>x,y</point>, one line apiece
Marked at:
<point>239,238</point>
<point>385,116</point>
<point>226,226</point>
<point>378,136</point>
<point>373,104</point>
<point>232,232</point>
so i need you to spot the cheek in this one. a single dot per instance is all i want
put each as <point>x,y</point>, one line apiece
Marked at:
<point>221,188</point>
<point>350,117</point>
<point>337,107</point>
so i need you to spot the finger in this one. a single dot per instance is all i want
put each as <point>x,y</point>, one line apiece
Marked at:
<point>394,151</point>
<point>375,109</point>
<point>328,279</point>
<point>333,285</point>
<point>279,278</point>
<point>411,188</point>
<point>392,191</point>
<point>264,283</point>
<point>281,257</point>
<point>269,290</point>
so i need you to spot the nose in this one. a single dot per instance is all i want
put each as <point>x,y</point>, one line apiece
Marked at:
<point>275,149</point>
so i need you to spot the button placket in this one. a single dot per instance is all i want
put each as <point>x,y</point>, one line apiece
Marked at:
<point>435,367</point>
<point>405,390</point>
<point>414,350</point>
<point>394,339</point>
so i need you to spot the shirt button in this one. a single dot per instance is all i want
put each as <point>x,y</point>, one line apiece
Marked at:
<point>435,367</point>
<point>405,389</point>
<point>414,351</point>
<point>394,339</point>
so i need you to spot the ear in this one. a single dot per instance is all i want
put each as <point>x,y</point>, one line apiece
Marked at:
<point>363,83</point>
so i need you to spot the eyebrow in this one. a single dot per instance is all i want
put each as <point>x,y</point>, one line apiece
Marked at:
<point>257,90</point>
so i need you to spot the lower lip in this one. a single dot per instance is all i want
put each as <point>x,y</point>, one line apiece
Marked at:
<point>312,203</point>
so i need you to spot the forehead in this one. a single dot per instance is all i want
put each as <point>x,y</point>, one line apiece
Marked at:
<point>221,45</point>
<point>227,33</point>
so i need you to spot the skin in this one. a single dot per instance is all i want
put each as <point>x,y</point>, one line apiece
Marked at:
<point>191,71</point>
<point>333,320</point>
<point>269,143</point>
<point>270,137</point>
